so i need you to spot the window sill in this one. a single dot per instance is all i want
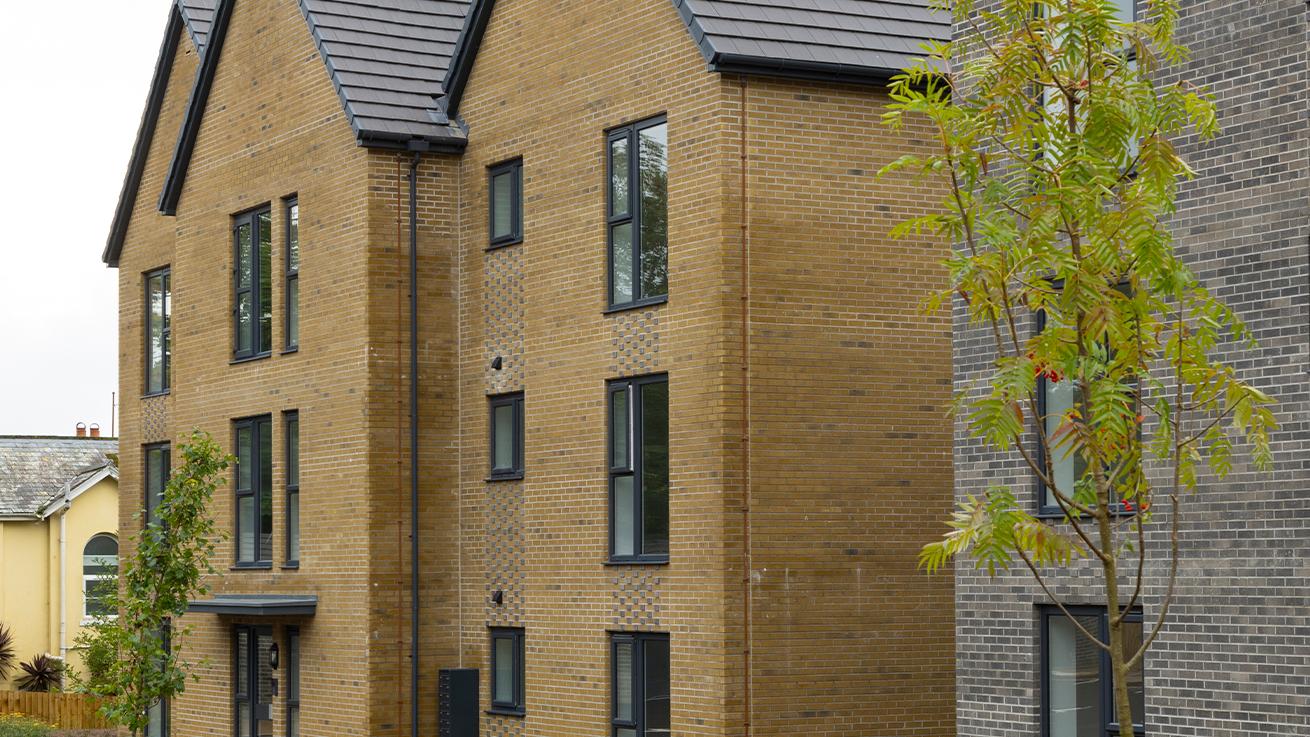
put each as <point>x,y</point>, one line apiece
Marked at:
<point>1058,516</point>
<point>248,359</point>
<point>294,566</point>
<point>292,349</point>
<point>627,306</point>
<point>152,395</point>
<point>650,560</point>
<point>504,477</point>
<point>252,567</point>
<point>497,245</point>
<point>501,711</point>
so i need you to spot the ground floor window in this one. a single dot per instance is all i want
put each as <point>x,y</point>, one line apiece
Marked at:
<point>640,675</point>
<point>1077,690</point>
<point>252,681</point>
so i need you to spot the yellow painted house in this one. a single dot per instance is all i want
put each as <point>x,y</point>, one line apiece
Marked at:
<point>58,540</point>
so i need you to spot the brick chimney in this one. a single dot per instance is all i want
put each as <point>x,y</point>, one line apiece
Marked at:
<point>95,430</point>
<point>81,429</point>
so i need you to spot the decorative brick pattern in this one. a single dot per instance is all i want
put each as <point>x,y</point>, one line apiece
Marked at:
<point>636,343</point>
<point>505,550</point>
<point>637,600</point>
<point>503,311</point>
<point>154,420</point>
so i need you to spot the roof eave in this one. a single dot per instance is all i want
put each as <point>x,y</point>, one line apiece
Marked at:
<point>791,69</point>
<point>195,112</point>
<point>466,51</point>
<point>144,137</point>
<point>403,142</point>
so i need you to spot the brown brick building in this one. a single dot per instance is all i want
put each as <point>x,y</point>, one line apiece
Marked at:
<point>680,426</point>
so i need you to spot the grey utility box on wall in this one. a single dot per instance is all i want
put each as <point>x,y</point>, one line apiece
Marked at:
<point>457,702</point>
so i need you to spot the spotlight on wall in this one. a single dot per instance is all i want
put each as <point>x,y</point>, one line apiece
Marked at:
<point>498,597</point>
<point>497,363</point>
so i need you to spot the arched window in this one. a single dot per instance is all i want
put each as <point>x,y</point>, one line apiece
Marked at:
<point>99,575</point>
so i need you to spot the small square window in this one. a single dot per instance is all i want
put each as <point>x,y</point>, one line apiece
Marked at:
<point>507,436</point>
<point>507,666</point>
<point>505,194</point>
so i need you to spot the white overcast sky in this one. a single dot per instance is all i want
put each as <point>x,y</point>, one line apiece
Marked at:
<point>73,81</point>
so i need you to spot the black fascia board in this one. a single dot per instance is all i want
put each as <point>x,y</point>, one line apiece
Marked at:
<point>195,112</point>
<point>466,51</point>
<point>144,137</point>
<point>763,66</point>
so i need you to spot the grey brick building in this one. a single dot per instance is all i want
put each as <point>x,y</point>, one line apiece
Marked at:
<point>1235,656</point>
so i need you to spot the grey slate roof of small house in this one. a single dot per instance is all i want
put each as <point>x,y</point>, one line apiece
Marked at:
<point>198,15</point>
<point>852,39</point>
<point>34,469</point>
<point>387,59</point>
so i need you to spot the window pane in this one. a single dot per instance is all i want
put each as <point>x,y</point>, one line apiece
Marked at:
<point>243,662</point>
<point>502,203</point>
<point>624,526</point>
<point>654,211</point>
<point>155,349</point>
<point>504,675</point>
<point>656,663</point>
<point>245,261</point>
<point>293,451</point>
<point>625,732</point>
<point>623,681</point>
<point>243,719</point>
<point>245,457</point>
<point>620,176</point>
<point>245,323</point>
<point>265,489</point>
<point>1068,467</point>
<point>155,727</point>
<point>621,264</point>
<point>293,312</point>
<point>619,427</point>
<point>1074,679</point>
<point>155,459</point>
<point>1123,10</point>
<point>293,722</point>
<point>1132,632</point>
<point>293,526</point>
<point>293,237</point>
<point>265,668</point>
<point>265,282</point>
<point>293,666</point>
<point>246,529</point>
<point>503,438</point>
<point>655,468</point>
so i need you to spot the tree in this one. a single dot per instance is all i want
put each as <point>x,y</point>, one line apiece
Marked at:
<point>1056,146</point>
<point>165,571</point>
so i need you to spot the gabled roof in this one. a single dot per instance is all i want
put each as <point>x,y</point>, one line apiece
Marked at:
<point>387,59</point>
<point>33,470</point>
<point>845,40</point>
<point>198,15</point>
<point>84,481</point>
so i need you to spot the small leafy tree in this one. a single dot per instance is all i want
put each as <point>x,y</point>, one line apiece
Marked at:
<point>1056,146</point>
<point>7,652</point>
<point>165,572</point>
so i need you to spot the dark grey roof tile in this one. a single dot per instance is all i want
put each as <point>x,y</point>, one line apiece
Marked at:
<point>198,15</point>
<point>33,470</point>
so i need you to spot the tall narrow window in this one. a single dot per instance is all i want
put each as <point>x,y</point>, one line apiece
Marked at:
<point>293,682</point>
<point>505,193</point>
<point>99,576</point>
<point>252,681</point>
<point>640,676</point>
<point>638,213</point>
<point>507,436</point>
<point>157,470</point>
<point>254,471</point>
<point>292,420</point>
<point>639,469</point>
<point>507,691</point>
<point>252,306</point>
<point>1077,690</point>
<point>159,342</point>
<point>158,715</point>
<point>293,274</point>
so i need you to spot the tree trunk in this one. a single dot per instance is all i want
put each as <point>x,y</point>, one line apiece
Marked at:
<point>1118,669</point>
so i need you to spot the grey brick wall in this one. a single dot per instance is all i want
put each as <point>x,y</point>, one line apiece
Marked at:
<point>1235,656</point>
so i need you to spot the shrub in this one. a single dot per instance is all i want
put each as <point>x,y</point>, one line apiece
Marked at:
<point>41,673</point>
<point>7,654</point>
<point>17,725</point>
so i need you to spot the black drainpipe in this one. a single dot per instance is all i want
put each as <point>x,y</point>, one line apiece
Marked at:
<point>417,147</point>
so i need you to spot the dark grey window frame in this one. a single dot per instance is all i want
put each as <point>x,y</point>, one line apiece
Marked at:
<point>514,168</point>
<point>165,275</point>
<point>1110,726</point>
<point>251,695</point>
<point>631,387</point>
<point>292,274</point>
<point>514,400</point>
<point>261,430</point>
<point>518,707</point>
<point>165,706</point>
<point>292,498</point>
<point>261,339</point>
<point>631,214</point>
<point>293,680</point>
<point>638,641</point>
<point>151,500</point>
